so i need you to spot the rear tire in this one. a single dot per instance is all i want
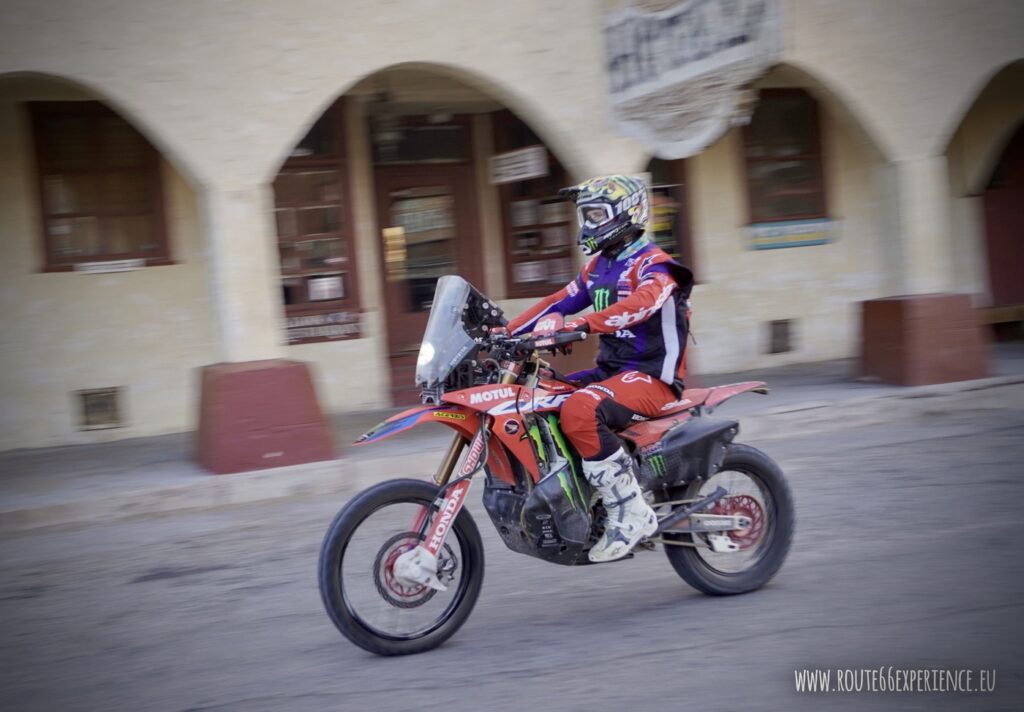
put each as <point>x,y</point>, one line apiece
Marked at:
<point>463,536</point>
<point>694,568</point>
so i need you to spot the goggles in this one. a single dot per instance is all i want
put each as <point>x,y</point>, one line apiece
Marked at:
<point>594,215</point>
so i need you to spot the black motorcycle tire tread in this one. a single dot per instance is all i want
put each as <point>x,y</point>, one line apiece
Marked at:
<point>696,572</point>
<point>342,528</point>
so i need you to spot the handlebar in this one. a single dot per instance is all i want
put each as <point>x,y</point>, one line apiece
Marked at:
<point>553,341</point>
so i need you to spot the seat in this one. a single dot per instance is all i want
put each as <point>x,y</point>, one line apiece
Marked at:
<point>677,412</point>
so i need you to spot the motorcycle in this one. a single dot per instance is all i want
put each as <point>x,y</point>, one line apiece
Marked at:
<point>402,564</point>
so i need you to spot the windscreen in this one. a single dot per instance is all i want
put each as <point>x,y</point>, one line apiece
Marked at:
<point>445,342</point>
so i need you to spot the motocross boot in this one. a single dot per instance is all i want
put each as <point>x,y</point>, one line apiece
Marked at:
<point>630,518</point>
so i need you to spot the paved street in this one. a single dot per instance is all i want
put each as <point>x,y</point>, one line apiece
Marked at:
<point>906,554</point>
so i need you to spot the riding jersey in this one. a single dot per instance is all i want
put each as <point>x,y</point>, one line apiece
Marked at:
<point>640,310</point>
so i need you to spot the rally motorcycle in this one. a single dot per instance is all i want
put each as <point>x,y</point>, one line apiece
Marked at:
<point>402,564</point>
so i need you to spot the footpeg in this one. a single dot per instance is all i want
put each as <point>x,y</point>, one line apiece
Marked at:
<point>645,545</point>
<point>418,567</point>
<point>721,544</point>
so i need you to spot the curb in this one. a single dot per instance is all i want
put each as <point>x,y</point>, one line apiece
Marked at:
<point>811,417</point>
<point>342,475</point>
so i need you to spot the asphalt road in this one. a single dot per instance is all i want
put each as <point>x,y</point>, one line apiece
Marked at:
<point>906,555</point>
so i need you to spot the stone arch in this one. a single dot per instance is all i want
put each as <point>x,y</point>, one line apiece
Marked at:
<point>984,127</point>
<point>835,101</point>
<point>560,141</point>
<point>29,85</point>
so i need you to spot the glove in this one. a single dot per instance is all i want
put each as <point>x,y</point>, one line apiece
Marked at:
<point>579,324</point>
<point>499,330</point>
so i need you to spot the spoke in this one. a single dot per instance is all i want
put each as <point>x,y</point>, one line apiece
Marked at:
<point>374,595</point>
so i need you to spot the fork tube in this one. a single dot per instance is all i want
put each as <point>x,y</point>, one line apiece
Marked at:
<point>444,472</point>
<point>510,371</point>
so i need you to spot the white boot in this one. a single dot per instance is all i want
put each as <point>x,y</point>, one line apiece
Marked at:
<point>630,519</point>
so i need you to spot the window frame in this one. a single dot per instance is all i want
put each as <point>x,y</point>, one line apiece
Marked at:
<point>503,123</point>
<point>416,122</point>
<point>152,167</point>
<point>337,161</point>
<point>678,190</point>
<point>817,157</point>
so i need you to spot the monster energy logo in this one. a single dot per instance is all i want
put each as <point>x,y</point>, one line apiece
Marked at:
<point>563,449</point>
<point>563,480</point>
<point>602,296</point>
<point>657,463</point>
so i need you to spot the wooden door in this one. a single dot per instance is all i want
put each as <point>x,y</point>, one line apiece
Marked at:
<point>1003,200</point>
<point>429,228</point>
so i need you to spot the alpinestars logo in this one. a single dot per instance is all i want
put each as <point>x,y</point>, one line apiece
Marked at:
<point>621,321</point>
<point>488,396</point>
<point>602,298</point>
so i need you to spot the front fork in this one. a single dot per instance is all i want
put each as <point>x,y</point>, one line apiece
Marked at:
<point>419,566</point>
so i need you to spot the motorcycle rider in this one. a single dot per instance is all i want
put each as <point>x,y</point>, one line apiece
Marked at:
<point>639,294</point>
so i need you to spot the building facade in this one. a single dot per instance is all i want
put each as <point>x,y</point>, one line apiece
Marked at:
<point>194,183</point>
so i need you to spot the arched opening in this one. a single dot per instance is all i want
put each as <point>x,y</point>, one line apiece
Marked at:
<point>1003,201</point>
<point>100,183</point>
<point>984,158</point>
<point>412,174</point>
<point>786,222</point>
<point>101,253</point>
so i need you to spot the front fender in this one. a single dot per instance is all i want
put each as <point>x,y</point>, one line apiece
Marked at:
<point>459,418</point>
<point>453,416</point>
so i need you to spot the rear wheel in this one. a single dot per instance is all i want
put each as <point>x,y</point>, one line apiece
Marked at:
<point>756,490</point>
<point>369,605</point>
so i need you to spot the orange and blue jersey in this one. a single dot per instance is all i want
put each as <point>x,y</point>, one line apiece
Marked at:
<point>640,299</point>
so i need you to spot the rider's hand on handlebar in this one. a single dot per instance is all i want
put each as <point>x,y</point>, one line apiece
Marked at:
<point>577,325</point>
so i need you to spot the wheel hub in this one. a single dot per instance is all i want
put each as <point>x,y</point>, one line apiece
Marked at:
<point>745,506</point>
<point>397,591</point>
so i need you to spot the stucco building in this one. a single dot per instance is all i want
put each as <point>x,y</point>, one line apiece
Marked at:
<point>191,183</point>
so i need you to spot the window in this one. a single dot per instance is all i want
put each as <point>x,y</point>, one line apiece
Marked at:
<point>99,185</point>
<point>669,225</point>
<point>403,140</point>
<point>314,236</point>
<point>783,158</point>
<point>539,227</point>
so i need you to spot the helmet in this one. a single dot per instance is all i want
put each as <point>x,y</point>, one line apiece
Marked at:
<point>611,211</point>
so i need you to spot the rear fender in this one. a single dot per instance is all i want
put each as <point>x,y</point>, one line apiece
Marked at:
<point>694,449</point>
<point>719,394</point>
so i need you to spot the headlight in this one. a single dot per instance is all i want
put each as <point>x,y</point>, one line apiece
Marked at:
<point>426,354</point>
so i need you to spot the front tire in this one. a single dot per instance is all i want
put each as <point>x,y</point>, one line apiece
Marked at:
<point>384,618</point>
<point>770,499</point>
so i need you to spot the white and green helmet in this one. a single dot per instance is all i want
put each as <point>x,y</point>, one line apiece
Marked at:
<point>610,210</point>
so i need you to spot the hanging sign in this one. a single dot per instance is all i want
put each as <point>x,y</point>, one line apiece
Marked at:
<point>678,78</point>
<point>523,164</point>
<point>110,266</point>
<point>330,326</point>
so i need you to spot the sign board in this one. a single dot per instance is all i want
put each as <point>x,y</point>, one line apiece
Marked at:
<point>522,164</point>
<point>791,233</point>
<point>678,77</point>
<point>333,325</point>
<point>324,288</point>
<point>110,266</point>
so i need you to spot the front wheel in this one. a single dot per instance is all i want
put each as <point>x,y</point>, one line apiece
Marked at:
<point>364,599</point>
<point>757,490</point>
